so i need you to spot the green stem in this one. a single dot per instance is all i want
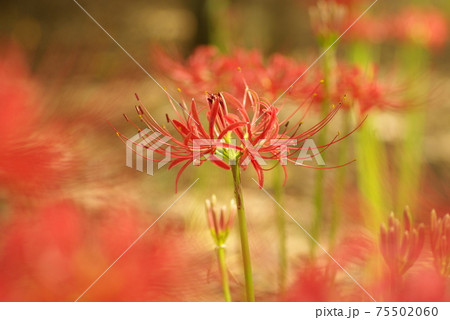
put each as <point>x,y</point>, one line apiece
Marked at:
<point>281,226</point>
<point>243,233</point>
<point>329,62</point>
<point>415,61</point>
<point>318,209</point>
<point>339,187</point>
<point>371,175</point>
<point>224,272</point>
<point>218,26</point>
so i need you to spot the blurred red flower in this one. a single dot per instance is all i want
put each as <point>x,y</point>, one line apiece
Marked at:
<point>424,26</point>
<point>369,28</point>
<point>364,90</point>
<point>421,283</point>
<point>209,70</point>
<point>314,282</point>
<point>212,71</point>
<point>56,252</point>
<point>400,244</point>
<point>440,242</point>
<point>323,280</point>
<point>35,156</point>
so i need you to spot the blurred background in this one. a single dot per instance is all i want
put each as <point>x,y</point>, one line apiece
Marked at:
<point>69,206</point>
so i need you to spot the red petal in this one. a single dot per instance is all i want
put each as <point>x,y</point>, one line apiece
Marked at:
<point>179,174</point>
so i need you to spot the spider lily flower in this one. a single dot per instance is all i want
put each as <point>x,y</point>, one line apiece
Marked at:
<point>327,20</point>
<point>440,242</point>
<point>54,251</point>
<point>368,90</point>
<point>35,157</point>
<point>424,26</point>
<point>370,29</point>
<point>220,226</point>
<point>207,68</point>
<point>400,244</point>
<point>227,131</point>
<point>213,71</point>
<point>220,222</point>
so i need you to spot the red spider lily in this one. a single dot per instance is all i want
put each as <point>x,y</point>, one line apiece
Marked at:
<point>54,254</point>
<point>213,71</point>
<point>440,242</point>
<point>401,245</point>
<point>422,284</point>
<point>314,282</point>
<point>34,156</point>
<point>328,20</point>
<point>369,29</point>
<point>207,68</point>
<point>18,92</point>
<point>219,225</point>
<point>367,90</point>
<point>38,250</point>
<point>252,122</point>
<point>425,26</point>
<point>324,280</point>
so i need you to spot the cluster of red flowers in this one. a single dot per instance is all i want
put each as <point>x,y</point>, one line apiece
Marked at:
<point>401,246</point>
<point>209,70</point>
<point>212,71</point>
<point>409,274</point>
<point>53,250</point>
<point>56,251</point>
<point>424,26</point>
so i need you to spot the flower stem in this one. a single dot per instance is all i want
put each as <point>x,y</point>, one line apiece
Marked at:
<point>218,26</point>
<point>395,283</point>
<point>281,226</point>
<point>415,60</point>
<point>329,65</point>
<point>243,233</point>
<point>224,272</point>
<point>371,168</point>
<point>339,188</point>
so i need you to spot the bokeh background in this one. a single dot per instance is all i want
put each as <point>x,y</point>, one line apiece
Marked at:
<point>69,206</point>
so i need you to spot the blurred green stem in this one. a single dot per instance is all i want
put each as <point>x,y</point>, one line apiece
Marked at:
<point>415,60</point>
<point>372,167</point>
<point>370,151</point>
<point>339,186</point>
<point>243,233</point>
<point>329,62</point>
<point>224,272</point>
<point>217,13</point>
<point>281,226</point>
